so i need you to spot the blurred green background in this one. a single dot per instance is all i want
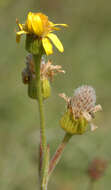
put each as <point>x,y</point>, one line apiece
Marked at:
<point>87,60</point>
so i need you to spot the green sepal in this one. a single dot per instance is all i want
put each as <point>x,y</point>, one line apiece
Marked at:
<point>45,88</point>
<point>32,88</point>
<point>33,44</point>
<point>71,125</point>
<point>82,125</point>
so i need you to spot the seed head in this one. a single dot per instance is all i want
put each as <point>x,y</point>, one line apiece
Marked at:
<point>80,111</point>
<point>47,72</point>
<point>84,100</point>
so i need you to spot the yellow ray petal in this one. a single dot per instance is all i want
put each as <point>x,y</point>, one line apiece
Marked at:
<point>20,26</point>
<point>18,35</point>
<point>65,25</point>
<point>47,46</point>
<point>55,28</point>
<point>52,24</point>
<point>21,32</point>
<point>29,21</point>
<point>56,41</point>
<point>37,25</point>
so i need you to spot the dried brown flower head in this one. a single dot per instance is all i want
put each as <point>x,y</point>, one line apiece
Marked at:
<point>82,105</point>
<point>28,72</point>
<point>97,168</point>
<point>47,70</point>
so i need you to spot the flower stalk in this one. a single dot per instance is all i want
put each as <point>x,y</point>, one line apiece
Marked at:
<point>59,152</point>
<point>45,175</point>
<point>44,165</point>
<point>37,60</point>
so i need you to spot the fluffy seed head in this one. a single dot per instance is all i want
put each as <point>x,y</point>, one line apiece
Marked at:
<point>84,100</point>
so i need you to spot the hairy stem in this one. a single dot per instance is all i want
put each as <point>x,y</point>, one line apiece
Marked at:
<point>58,153</point>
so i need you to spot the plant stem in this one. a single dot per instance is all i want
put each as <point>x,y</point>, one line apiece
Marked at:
<point>58,153</point>
<point>37,61</point>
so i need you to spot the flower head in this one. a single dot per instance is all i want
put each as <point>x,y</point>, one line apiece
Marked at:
<point>37,24</point>
<point>47,71</point>
<point>81,109</point>
<point>97,168</point>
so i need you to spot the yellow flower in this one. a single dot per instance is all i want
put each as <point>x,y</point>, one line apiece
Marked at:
<point>39,25</point>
